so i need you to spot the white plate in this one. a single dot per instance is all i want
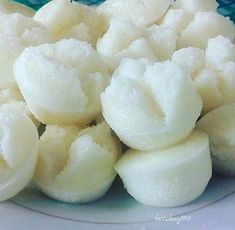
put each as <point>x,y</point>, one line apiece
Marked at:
<point>118,211</point>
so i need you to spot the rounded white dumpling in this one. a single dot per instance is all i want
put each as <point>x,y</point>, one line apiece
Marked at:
<point>164,178</point>
<point>18,154</point>
<point>63,83</point>
<point>141,12</point>
<point>17,32</point>
<point>219,51</point>
<point>11,100</point>
<point>9,7</point>
<point>151,106</point>
<point>77,166</point>
<point>196,5</point>
<point>123,39</point>
<point>193,59</point>
<point>204,26</point>
<point>24,28</point>
<point>162,39</point>
<point>67,19</point>
<point>216,88</point>
<point>177,19</point>
<point>219,124</point>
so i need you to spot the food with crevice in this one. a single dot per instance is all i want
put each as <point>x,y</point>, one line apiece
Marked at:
<point>77,165</point>
<point>18,156</point>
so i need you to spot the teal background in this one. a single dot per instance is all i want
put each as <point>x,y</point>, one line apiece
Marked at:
<point>227,8</point>
<point>36,4</point>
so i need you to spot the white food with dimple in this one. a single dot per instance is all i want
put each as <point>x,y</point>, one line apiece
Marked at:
<point>63,82</point>
<point>151,106</point>
<point>17,32</point>
<point>18,154</point>
<point>193,59</point>
<point>170,177</point>
<point>24,28</point>
<point>216,83</point>
<point>162,39</point>
<point>124,39</point>
<point>219,124</point>
<point>206,25</point>
<point>141,12</point>
<point>219,51</point>
<point>66,19</point>
<point>177,19</point>
<point>207,84</point>
<point>77,165</point>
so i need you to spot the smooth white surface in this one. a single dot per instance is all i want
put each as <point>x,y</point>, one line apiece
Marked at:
<point>215,209</point>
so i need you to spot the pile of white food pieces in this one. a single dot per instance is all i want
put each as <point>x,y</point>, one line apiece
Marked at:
<point>155,74</point>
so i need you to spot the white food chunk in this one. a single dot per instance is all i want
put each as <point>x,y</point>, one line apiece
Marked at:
<point>177,19</point>
<point>193,59</point>
<point>141,12</point>
<point>76,166</point>
<point>219,51</point>
<point>151,106</point>
<point>204,26</point>
<point>163,40</point>
<point>18,153</point>
<point>219,124</point>
<point>66,19</point>
<point>165,176</point>
<point>63,82</point>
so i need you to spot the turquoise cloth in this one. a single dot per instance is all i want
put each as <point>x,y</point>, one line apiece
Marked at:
<point>36,4</point>
<point>227,7</point>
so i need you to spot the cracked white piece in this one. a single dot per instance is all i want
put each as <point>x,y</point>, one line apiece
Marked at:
<point>141,12</point>
<point>177,19</point>
<point>17,32</point>
<point>204,26</point>
<point>9,7</point>
<point>193,59</point>
<point>162,39</point>
<point>124,39</point>
<point>219,124</point>
<point>169,177</point>
<point>220,50</point>
<point>66,19</point>
<point>151,106</point>
<point>18,153</point>
<point>216,83</point>
<point>207,85</point>
<point>63,83</point>
<point>77,165</point>
<point>194,6</point>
